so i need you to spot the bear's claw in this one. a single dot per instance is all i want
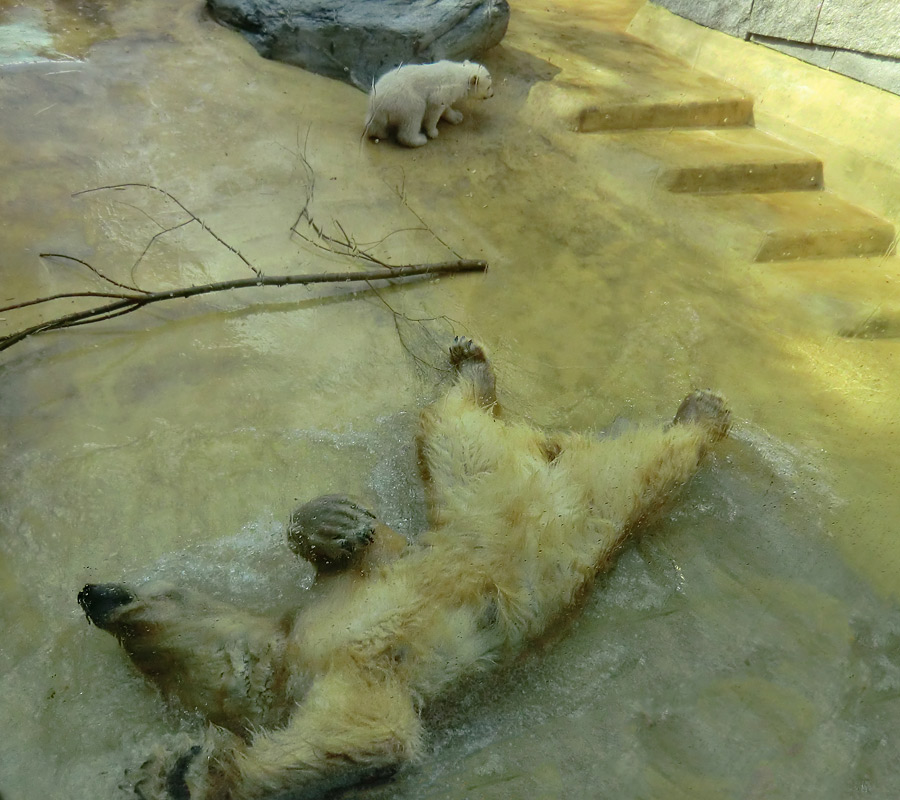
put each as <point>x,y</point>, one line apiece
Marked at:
<point>464,349</point>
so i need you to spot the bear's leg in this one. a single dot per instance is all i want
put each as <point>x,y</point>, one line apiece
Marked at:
<point>461,442</point>
<point>432,114</point>
<point>452,116</point>
<point>377,126</point>
<point>409,127</point>
<point>215,658</point>
<point>472,366</point>
<point>352,725</point>
<point>628,480</point>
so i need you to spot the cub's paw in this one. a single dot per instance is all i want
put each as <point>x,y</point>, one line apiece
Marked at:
<point>705,408</point>
<point>330,530</point>
<point>464,349</point>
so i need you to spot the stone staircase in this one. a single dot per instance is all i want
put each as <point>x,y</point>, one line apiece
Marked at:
<point>699,134</point>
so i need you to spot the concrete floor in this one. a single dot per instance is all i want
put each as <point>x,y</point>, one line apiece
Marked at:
<point>715,661</point>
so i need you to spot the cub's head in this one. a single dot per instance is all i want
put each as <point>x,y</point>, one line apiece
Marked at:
<point>479,81</point>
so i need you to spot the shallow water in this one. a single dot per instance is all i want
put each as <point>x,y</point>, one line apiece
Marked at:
<point>749,646</point>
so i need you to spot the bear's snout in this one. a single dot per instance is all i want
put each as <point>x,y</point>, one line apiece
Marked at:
<point>100,600</point>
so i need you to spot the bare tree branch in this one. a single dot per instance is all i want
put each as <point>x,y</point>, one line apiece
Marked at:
<point>156,236</point>
<point>92,269</point>
<point>343,244</point>
<point>126,303</point>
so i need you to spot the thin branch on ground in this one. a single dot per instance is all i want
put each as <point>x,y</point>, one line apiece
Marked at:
<point>133,297</point>
<point>191,214</point>
<point>346,246</point>
<point>126,303</point>
<point>400,191</point>
<point>129,287</point>
<point>399,317</point>
<point>156,236</point>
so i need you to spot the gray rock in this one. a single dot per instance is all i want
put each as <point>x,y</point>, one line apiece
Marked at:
<point>359,40</point>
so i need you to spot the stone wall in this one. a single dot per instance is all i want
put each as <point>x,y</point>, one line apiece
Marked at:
<point>857,38</point>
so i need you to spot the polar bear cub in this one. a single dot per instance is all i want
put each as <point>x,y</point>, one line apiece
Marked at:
<point>414,97</point>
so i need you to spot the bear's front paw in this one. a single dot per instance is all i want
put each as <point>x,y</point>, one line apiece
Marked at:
<point>464,349</point>
<point>705,408</point>
<point>330,530</point>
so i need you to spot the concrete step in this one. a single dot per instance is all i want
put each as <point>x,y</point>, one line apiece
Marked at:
<point>785,226</point>
<point>613,81</point>
<point>727,160</point>
<point>855,298</point>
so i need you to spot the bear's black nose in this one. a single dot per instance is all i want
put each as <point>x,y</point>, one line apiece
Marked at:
<point>99,600</point>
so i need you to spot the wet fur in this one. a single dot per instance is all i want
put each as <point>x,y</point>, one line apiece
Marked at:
<point>520,524</point>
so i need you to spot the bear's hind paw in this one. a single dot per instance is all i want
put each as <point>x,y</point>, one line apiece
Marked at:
<point>706,408</point>
<point>330,530</point>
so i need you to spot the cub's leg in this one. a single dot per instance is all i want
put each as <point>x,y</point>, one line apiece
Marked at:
<point>337,534</point>
<point>377,125</point>
<point>452,116</point>
<point>213,657</point>
<point>432,115</point>
<point>409,124</point>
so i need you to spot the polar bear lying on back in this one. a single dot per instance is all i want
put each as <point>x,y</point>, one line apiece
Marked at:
<point>521,521</point>
<point>416,96</point>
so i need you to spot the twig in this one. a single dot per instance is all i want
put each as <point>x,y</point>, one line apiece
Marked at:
<point>191,214</point>
<point>348,247</point>
<point>94,270</point>
<point>156,236</point>
<point>126,303</point>
<point>400,191</point>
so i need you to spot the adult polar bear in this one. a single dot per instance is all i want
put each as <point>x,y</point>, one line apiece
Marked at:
<point>414,97</point>
<point>520,523</point>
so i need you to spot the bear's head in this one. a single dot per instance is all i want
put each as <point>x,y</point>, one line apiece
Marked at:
<point>479,82</point>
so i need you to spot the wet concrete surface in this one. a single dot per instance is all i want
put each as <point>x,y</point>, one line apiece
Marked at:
<point>748,647</point>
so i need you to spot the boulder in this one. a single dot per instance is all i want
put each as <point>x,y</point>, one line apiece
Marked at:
<point>359,40</point>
